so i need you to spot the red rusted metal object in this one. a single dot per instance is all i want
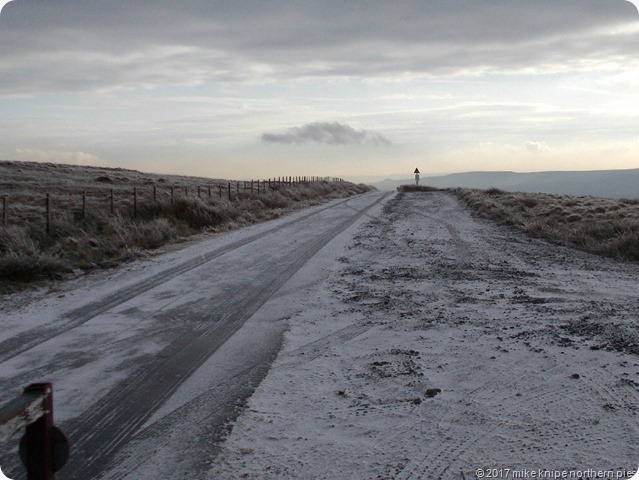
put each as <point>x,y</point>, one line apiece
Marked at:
<point>43,449</point>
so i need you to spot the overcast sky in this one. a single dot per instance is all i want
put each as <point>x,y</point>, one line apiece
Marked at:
<point>351,88</point>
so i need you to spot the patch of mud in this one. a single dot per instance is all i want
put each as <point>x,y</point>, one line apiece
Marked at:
<point>608,336</point>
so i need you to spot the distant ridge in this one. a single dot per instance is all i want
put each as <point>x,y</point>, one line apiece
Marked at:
<point>595,183</point>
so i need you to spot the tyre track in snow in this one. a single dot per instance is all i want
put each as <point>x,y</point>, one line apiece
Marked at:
<point>446,459</point>
<point>500,323</point>
<point>317,348</point>
<point>99,433</point>
<point>547,407</point>
<point>186,423</point>
<point>24,341</point>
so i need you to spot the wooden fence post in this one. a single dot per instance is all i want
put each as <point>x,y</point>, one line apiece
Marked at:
<point>48,214</point>
<point>4,211</point>
<point>172,194</point>
<point>111,203</point>
<point>229,191</point>
<point>220,186</point>
<point>135,202</point>
<point>155,194</point>
<point>84,205</point>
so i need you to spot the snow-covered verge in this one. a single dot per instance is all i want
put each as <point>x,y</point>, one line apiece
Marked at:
<point>441,344</point>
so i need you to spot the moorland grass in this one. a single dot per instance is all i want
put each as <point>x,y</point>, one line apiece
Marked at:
<point>603,226</point>
<point>96,238</point>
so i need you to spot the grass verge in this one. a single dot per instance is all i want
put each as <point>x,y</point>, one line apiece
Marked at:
<point>97,239</point>
<point>603,226</point>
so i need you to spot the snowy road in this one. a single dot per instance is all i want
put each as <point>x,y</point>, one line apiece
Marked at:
<point>149,364</point>
<point>442,346</point>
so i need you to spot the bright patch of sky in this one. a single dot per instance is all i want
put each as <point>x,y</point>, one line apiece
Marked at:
<point>270,88</point>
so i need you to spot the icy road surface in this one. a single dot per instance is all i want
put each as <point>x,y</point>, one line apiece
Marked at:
<point>149,364</point>
<point>441,346</point>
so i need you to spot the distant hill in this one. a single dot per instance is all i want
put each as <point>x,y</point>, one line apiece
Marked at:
<point>595,183</point>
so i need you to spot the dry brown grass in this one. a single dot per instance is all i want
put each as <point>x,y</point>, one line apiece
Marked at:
<point>598,225</point>
<point>96,238</point>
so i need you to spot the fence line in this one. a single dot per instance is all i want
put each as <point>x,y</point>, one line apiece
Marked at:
<point>259,187</point>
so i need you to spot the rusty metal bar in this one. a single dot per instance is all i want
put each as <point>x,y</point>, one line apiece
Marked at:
<point>44,449</point>
<point>20,412</point>
<point>38,445</point>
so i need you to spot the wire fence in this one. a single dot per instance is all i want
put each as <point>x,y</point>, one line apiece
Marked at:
<point>128,199</point>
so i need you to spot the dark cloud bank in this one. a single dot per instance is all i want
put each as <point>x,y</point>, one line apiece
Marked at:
<point>74,45</point>
<point>327,133</point>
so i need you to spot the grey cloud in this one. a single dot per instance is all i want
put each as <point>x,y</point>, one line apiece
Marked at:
<point>74,45</point>
<point>328,133</point>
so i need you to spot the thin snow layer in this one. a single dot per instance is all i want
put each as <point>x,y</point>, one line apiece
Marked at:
<point>105,336</point>
<point>111,342</point>
<point>440,343</point>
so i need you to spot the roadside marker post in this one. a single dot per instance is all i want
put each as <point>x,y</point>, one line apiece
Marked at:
<point>416,172</point>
